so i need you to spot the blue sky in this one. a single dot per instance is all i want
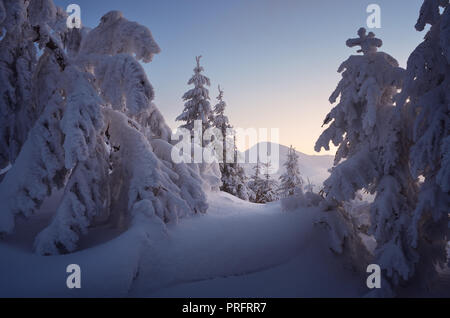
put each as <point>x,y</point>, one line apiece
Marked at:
<point>276,60</point>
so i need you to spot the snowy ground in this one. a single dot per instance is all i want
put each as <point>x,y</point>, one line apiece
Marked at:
<point>238,249</point>
<point>245,250</point>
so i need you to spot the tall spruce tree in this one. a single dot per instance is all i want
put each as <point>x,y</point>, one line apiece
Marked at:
<point>255,183</point>
<point>263,186</point>
<point>234,180</point>
<point>369,134</point>
<point>425,106</point>
<point>197,105</point>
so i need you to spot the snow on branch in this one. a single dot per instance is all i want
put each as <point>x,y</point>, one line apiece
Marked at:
<point>116,35</point>
<point>429,13</point>
<point>82,118</point>
<point>81,202</point>
<point>122,82</point>
<point>149,178</point>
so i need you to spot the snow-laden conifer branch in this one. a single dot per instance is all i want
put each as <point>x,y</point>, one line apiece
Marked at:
<point>92,124</point>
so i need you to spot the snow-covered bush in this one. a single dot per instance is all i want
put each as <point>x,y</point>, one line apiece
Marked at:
<point>86,124</point>
<point>18,62</point>
<point>197,108</point>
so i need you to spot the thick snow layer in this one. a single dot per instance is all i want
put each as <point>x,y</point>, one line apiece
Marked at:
<point>236,249</point>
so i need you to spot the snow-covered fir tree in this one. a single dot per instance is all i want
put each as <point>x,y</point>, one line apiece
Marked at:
<point>234,180</point>
<point>369,133</point>
<point>197,105</point>
<point>87,127</point>
<point>255,183</point>
<point>222,123</point>
<point>238,182</point>
<point>425,103</point>
<point>263,186</point>
<point>291,182</point>
<point>269,186</point>
<point>309,186</point>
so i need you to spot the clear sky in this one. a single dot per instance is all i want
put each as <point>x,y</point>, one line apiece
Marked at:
<point>276,60</point>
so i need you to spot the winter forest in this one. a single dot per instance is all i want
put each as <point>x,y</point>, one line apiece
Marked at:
<point>94,176</point>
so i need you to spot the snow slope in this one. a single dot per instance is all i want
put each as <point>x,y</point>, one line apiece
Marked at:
<point>313,167</point>
<point>236,249</point>
<point>248,250</point>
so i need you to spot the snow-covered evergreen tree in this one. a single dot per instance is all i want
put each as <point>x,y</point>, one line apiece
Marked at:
<point>255,183</point>
<point>18,61</point>
<point>291,182</point>
<point>222,123</point>
<point>369,133</point>
<point>94,131</point>
<point>269,186</point>
<point>425,99</point>
<point>237,182</point>
<point>197,105</point>
<point>234,180</point>
<point>263,186</point>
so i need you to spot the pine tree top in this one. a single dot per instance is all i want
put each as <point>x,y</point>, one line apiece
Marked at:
<point>197,106</point>
<point>198,79</point>
<point>368,42</point>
